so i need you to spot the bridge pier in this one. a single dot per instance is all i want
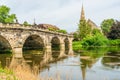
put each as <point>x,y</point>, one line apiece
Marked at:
<point>17,52</point>
<point>62,49</point>
<point>71,52</point>
<point>48,52</point>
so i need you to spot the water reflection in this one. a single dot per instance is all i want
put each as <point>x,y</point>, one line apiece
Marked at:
<point>91,64</point>
<point>112,60</point>
<point>88,58</point>
<point>5,59</point>
<point>104,57</point>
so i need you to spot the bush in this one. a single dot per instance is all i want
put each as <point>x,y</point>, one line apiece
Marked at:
<point>51,29</point>
<point>114,42</point>
<point>62,31</point>
<point>96,40</point>
<point>77,45</point>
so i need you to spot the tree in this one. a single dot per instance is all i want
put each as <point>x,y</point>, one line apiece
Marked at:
<point>5,17</point>
<point>114,31</point>
<point>84,29</point>
<point>106,25</point>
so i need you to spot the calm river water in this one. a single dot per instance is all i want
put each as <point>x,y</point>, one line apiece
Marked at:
<point>86,64</point>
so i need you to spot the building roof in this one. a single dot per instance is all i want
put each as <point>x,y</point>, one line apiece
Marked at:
<point>92,24</point>
<point>47,26</point>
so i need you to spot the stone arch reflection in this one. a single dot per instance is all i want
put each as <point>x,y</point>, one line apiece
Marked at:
<point>5,60</point>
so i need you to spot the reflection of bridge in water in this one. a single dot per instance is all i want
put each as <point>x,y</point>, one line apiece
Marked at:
<point>31,59</point>
<point>35,62</point>
<point>17,38</point>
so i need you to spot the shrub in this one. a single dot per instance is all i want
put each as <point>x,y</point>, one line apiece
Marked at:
<point>62,31</point>
<point>77,45</point>
<point>114,42</point>
<point>96,40</point>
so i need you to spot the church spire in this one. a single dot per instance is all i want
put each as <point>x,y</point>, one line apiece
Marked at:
<point>82,13</point>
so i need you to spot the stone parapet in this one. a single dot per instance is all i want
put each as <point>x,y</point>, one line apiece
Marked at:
<point>20,26</point>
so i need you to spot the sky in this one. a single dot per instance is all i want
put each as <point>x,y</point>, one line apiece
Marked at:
<point>65,14</point>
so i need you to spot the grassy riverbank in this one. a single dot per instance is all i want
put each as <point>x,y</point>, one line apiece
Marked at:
<point>19,72</point>
<point>79,45</point>
<point>6,74</point>
<point>23,74</point>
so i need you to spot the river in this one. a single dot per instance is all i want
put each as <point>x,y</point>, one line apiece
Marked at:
<point>86,64</point>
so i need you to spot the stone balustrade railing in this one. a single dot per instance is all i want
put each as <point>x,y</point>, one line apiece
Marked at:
<point>21,26</point>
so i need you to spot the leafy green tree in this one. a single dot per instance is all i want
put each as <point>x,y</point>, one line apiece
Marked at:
<point>5,17</point>
<point>114,31</point>
<point>84,29</point>
<point>106,25</point>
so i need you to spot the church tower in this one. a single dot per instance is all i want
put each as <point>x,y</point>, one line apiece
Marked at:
<point>82,14</point>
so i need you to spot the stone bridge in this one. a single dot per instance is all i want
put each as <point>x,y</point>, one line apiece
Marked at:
<point>15,36</point>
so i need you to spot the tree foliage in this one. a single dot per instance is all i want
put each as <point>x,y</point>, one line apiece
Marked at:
<point>96,40</point>
<point>114,31</point>
<point>106,25</point>
<point>5,17</point>
<point>96,32</point>
<point>84,29</point>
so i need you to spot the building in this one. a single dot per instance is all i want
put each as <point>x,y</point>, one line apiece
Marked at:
<point>89,21</point>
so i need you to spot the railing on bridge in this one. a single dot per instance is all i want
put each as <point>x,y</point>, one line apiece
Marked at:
<point>33,27</point>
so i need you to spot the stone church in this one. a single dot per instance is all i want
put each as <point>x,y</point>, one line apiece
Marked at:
<point>89,21</point>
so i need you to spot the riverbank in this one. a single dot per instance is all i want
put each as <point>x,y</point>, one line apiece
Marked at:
<point>18,73</point>
<point>77,45</point>
<point>6,74</point>
<point>22,74</point>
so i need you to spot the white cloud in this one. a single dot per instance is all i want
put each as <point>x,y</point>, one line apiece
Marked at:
<point>63,13</point>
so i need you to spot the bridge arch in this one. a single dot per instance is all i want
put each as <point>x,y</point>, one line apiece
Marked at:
<point>55,46</point>
<point>66,42</point>
<point>34,42</point>
<point>5,44</point>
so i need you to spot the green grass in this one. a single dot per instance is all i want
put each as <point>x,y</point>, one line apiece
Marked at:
<point>78,45</point>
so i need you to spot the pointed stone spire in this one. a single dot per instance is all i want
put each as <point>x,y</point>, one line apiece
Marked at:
<point>82,13</point>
